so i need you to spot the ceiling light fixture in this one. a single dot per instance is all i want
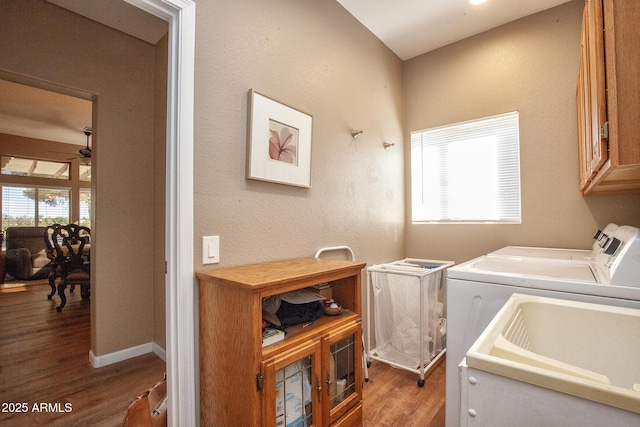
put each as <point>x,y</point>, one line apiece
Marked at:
<point>476,2</point>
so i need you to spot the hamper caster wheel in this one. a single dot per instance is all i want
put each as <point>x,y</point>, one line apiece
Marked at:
<point>420,383</point>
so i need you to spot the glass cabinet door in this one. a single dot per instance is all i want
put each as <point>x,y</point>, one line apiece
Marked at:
<point>342,370</point>
<point>292,388</point>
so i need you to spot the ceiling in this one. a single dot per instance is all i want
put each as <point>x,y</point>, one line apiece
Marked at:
<point>408,27</point>
<point>120,15</point>
<point>413,27</point>
<point>36,113</point>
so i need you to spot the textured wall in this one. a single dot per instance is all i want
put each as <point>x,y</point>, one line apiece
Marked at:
<point>313,56</point>
<point>42,43</point>
<point>530,65</point>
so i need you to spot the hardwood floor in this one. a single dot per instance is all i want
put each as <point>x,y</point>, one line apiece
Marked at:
<point>392,397</point>
<point>44,359</point>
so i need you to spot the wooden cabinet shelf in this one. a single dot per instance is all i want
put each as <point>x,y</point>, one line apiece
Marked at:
<point>299,333</point>
<point>607,97</point>
<point>242,383</point>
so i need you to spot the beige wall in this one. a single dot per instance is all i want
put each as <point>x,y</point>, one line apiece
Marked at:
<point>313,56</point>
<point>43,43</point>
<point>530,65</point>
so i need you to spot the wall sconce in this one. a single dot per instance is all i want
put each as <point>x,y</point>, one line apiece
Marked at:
<point>355,133</point>
<point>387,144</point>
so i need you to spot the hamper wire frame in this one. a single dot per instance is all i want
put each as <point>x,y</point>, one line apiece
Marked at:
<point>420,313</point>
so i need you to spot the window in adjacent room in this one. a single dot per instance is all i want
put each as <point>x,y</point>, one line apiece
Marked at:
<point>34,206</point>
<point>41,191</point>
<point>18,166</point>
<point>467,172</point>
<point>85,207</point>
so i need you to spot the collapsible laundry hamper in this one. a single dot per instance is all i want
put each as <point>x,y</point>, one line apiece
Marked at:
<point>409,305</point>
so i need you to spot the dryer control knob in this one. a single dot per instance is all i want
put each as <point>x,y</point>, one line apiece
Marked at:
<point>613,246</point>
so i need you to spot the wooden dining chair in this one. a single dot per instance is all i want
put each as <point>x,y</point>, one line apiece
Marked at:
<point>54,256</point>
<point>73,242</point>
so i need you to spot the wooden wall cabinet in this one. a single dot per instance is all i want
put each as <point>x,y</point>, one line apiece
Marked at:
<point>607,97</point>
<point>242,383</point>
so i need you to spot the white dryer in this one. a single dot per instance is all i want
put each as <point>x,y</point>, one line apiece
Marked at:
<point>477,289</point>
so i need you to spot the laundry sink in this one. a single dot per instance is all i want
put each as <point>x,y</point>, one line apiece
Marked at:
<point>585,350</point>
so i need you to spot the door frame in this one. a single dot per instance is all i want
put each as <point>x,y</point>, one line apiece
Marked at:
<point>183,399</point>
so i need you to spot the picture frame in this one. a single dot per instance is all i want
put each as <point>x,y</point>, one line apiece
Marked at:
<point>279,142</point>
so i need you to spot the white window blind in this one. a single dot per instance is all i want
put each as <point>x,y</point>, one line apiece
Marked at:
<point>85,207</point>
<point>19,207</point>
<point>53,206</point>
<point>467,172</point>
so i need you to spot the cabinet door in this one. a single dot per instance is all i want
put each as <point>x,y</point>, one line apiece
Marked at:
<point>583,170</point>
<point>342,371</point>
<point>292,387</point>
<point>584,116</point>
<point>597,108</point>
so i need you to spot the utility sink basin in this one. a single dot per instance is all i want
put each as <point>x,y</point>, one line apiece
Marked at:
<point>586,350</point>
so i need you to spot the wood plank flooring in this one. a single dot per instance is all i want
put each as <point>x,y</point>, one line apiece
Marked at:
<point>44,359</point>
<point>392,397</point>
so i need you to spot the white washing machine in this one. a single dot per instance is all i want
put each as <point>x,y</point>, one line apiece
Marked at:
<point>477,290</point>
<point>601,240</point>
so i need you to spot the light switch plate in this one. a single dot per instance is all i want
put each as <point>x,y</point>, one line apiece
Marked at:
<point>210,249</point>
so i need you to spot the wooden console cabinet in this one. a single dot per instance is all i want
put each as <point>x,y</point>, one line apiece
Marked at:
<point>607,97</point>
<point>245,384</point>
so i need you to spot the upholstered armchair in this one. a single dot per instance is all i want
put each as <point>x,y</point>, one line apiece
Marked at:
<point>26,253</point>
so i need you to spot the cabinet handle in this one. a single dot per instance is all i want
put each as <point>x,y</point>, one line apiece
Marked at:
<point>318,388</point>
<point>328,383</point>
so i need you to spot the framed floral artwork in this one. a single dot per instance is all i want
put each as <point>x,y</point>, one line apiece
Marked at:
<point>279,142</point>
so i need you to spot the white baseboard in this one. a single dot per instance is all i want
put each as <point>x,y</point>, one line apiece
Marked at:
<point>127,353</point>
<point>160,352</point>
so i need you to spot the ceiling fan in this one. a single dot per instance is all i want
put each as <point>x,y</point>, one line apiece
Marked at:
<point>86,152</point>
